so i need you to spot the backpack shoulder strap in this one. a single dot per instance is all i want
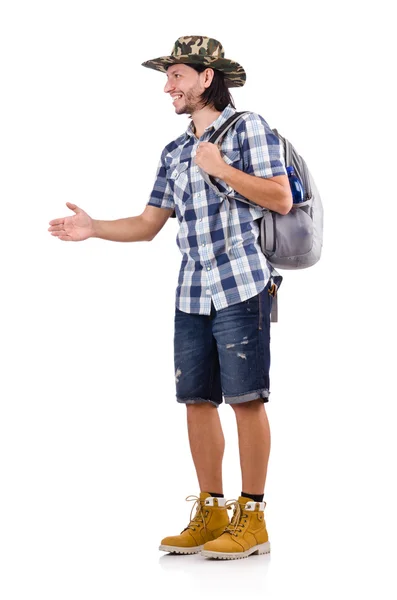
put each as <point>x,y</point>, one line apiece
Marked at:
<point>219,133</point>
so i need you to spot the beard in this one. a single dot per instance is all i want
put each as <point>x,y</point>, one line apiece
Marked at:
<point>191,103</point>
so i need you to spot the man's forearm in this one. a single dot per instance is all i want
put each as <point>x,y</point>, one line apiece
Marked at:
<point>262,191</point>
<point>131,229</point>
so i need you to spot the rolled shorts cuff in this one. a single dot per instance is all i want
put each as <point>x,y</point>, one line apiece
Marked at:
<point>248,397</point>
<point>196,401</point>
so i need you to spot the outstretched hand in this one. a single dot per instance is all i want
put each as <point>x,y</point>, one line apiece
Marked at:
<point>76,228</point>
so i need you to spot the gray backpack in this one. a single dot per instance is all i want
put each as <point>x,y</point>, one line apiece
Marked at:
<point>292,241</point>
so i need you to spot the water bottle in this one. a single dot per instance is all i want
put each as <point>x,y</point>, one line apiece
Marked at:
<point>298,194</point>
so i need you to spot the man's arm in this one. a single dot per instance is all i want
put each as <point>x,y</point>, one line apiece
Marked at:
<point>273,193</point>
<point>142,228</point>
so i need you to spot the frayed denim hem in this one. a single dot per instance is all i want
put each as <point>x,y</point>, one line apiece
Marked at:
<point>248,397</point>
<point>196,401</point>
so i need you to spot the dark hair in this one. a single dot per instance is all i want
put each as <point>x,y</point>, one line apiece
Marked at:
<point>217,94</point>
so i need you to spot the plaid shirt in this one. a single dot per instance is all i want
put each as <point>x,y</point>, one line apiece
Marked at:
<point>208,273</point>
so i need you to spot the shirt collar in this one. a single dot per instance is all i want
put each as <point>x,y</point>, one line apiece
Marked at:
<point>223,117</point>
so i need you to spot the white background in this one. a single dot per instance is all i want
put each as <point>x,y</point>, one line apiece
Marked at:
<point>95,462</point>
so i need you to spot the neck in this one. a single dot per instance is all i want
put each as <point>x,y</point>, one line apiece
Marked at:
<point>203,118</point>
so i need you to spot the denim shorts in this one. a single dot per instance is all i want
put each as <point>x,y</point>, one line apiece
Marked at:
<point>225,354</point>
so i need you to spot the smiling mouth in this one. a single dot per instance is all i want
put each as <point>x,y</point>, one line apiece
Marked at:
<point>177,98</point>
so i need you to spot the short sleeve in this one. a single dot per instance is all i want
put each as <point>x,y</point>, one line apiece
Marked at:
<point>161,195</point>
<point>262,150</point>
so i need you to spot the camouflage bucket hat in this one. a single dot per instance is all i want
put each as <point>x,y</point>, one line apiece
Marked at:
<point>195,49</point>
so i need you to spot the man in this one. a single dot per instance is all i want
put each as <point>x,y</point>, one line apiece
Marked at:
<point>225,289</point>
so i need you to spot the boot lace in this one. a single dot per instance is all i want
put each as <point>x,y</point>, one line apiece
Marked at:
<point>238,520</point>
<point>199,518</point>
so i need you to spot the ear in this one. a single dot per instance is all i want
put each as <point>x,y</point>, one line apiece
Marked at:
<point>208,77</point>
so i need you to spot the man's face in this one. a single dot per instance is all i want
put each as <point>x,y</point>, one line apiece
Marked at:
<point>185,86</point>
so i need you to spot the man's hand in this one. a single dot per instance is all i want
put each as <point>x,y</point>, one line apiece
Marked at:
<point>76,228</point>
<point>208,158</point>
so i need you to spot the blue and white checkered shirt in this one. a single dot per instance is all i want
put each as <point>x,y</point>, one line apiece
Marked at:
<point>208,272</point>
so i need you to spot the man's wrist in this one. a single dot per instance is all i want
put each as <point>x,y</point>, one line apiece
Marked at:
<point>94,228</point>
<point>223,172</point>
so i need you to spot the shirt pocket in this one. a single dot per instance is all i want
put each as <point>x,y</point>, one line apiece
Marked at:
<point>231,156</point>
<point>179,181</point>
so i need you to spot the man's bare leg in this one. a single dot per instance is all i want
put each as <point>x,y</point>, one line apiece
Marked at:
<point>254,444</point>
<point>207,445</point>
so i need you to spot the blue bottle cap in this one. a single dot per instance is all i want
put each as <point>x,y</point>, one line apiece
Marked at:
<point>290,170</point>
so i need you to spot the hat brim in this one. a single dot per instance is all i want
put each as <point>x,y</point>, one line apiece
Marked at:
<point>235,75</point>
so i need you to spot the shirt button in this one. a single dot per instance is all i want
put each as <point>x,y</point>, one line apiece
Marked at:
<point>208,291</point>
<point>200,220</point>
<point>208,268</point>
<point>203,244</point>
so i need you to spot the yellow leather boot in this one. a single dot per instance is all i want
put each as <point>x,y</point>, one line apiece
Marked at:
<point>208,523</point>
<point>245,535</point>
